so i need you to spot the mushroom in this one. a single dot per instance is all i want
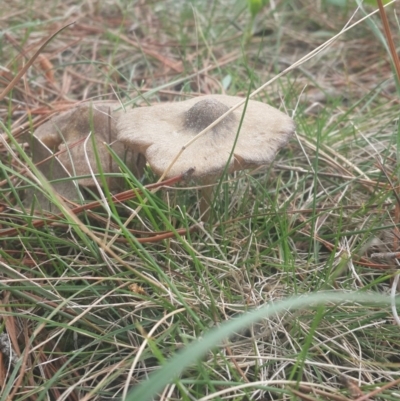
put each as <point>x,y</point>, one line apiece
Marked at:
<point>68,133</point>
<point>160,132</point>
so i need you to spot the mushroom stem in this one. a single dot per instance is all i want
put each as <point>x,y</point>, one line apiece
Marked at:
<point>207,196</point>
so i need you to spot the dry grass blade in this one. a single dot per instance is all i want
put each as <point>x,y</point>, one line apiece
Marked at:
<point>23,368</point>
<point>174,65</point>
<point>14,81</point>
<point>88,285</point>
<point>389,38</point>
<point>121,197</point>
<point>379,390</point>
<point>303,390</point>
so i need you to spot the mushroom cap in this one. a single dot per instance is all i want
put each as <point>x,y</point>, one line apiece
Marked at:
<point>63,131</point>
<point>161,131</point>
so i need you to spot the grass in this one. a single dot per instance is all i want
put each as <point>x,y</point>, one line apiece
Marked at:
<point>93,303</point>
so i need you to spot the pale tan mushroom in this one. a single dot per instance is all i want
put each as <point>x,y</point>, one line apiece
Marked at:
<point>161,131</point>
<point>68,132</point>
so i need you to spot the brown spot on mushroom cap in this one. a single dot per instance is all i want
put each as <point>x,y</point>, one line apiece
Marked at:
<point>204,113</point>
<point>161,131</point>
<point>68,131</point>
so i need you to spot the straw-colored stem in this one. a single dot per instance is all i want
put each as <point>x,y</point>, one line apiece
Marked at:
<point>207,197</point>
